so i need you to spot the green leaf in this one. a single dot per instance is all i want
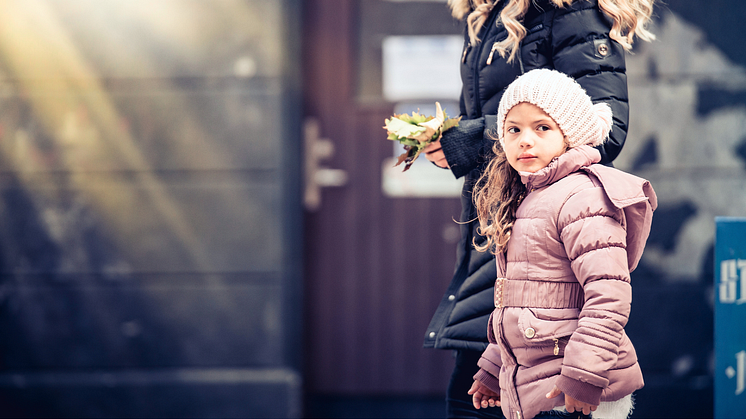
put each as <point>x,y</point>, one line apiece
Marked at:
<point>415,118</point>
<point>402,128</point>
<point>450,123</point>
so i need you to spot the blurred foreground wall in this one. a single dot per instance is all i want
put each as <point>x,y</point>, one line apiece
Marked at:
<point>148,194</point>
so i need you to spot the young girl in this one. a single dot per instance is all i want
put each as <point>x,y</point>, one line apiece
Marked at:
<point>566,233</point>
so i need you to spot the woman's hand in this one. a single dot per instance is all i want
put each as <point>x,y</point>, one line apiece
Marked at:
<point>482,396</point>
<point>434,153</point>
<point>572,405</point>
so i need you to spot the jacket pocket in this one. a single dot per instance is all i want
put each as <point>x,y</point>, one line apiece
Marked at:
<point>547,327</point>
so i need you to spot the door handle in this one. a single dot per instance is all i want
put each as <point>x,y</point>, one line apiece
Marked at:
<point>317,176</point>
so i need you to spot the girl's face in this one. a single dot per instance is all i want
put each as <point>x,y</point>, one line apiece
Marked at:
<point>532,138</point>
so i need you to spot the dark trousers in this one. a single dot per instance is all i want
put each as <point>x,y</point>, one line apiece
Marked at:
<point>458,401</point>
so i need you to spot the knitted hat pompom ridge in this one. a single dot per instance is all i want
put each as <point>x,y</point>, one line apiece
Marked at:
<point>564,100</point>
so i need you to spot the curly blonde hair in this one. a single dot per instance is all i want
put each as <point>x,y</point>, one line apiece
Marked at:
<point>497,195</point>
<point>630,18</point>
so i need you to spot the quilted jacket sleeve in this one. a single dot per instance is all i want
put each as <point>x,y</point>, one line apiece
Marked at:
<point>490,363</point>
<point>592,231</point>
<point>581,48</point>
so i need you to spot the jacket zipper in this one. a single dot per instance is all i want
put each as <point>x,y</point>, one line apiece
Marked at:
<point>475,61</point>
<point>492,53</point>
<point>466,51</point>
<point>530,31</point>
<point>520,59</point>
<point>513,389</point>
<point>495,48</point>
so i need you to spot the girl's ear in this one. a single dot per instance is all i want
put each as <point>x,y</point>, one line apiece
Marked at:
<point>567,142</point>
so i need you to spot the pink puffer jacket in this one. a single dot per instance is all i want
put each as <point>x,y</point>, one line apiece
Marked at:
<point>563,292</point>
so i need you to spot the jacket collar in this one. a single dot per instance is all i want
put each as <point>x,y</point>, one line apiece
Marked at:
<point>570,161</point>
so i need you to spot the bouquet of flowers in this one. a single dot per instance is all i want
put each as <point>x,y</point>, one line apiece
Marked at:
<point>417,131</point>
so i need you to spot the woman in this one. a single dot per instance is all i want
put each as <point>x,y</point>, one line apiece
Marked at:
<point>585,39</point>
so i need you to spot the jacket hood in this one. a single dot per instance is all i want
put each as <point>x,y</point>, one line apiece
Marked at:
<point>636,197</point>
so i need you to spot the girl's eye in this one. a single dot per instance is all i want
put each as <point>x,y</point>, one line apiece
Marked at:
<point>513,130</point>
<point>543,128</point>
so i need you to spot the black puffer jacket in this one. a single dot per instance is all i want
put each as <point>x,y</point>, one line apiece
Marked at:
<point>574,40</point>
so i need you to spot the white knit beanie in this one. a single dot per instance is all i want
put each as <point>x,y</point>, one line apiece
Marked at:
<point>563,99</point>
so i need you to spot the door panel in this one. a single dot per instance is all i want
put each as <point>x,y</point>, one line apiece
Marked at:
<point>375,267</point>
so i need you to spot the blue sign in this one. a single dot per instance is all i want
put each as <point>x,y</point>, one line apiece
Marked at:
<point>730,317</point>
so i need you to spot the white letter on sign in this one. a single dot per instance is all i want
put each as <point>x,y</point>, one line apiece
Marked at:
<point>729,289</point>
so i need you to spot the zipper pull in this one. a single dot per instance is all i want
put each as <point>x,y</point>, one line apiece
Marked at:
<point>556,347</point>
<point>466,51</point>
<point>492,53</point>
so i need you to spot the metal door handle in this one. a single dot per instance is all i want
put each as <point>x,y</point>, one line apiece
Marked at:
<point>316,175</point>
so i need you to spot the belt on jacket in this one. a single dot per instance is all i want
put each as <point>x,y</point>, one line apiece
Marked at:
<point>537,294</point>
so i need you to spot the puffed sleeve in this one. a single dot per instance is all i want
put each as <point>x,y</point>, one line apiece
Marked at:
<point>595,242</point>
<point>490,362</point>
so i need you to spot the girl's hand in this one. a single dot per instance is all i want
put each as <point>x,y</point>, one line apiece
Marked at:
<point>572,405</point>
<point>482,396</point>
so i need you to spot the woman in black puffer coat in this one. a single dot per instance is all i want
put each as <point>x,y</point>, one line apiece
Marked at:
<point>581,38</point>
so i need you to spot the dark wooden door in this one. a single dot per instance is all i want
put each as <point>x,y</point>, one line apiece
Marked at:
<point>375,267</point>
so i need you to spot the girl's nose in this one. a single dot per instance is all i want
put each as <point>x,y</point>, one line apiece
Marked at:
<point>526,140</point>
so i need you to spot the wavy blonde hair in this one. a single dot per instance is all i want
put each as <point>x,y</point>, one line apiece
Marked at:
<point>630,18</point>
<point>497,195</point>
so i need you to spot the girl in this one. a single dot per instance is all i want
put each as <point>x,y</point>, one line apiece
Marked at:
<point>585,39</point>
<point>566,233</point>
